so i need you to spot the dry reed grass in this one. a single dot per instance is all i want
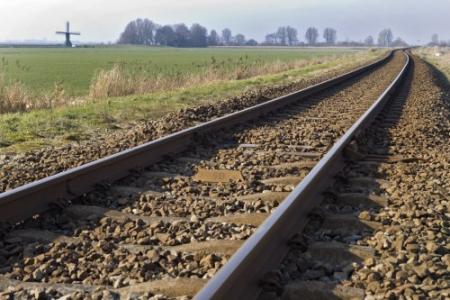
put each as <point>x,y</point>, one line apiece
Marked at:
<point>111,83</point>
<point>16,97</point>
<point>117,82</point>
<point>13,97</point>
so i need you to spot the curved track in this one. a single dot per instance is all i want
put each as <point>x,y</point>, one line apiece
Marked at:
<point>168,228</point>
<point>381,231</point>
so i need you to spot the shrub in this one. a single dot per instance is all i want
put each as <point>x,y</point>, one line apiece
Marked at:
<point>14,97</point>
<point>111,83</point>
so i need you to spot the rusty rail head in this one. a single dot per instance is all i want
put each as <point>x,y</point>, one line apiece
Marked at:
<point>34,198</point>
<point>265,249</point>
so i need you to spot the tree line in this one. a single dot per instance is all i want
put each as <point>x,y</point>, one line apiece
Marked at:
<point>147,32</point>
<point>436,41</point>
<point>288,36</point>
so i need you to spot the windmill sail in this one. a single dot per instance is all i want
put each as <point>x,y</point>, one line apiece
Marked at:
<point>67,33</point>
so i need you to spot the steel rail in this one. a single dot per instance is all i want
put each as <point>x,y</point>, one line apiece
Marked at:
<point>268,245</point>
<point>35,197</point>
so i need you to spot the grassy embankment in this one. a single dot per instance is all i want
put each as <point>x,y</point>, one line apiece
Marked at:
<point>74,71</point>
<point>439,57</point>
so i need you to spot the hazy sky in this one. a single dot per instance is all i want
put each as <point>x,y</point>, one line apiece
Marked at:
<point>103,20</point>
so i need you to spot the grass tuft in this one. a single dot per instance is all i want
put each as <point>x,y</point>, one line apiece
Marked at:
<point>13,97</point>
<point>111,83</point>
<point>16,97</point>
<point>118,82</point>
<point>438,56</point>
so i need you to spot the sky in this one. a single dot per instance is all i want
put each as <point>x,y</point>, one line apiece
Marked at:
<point>103,20</point>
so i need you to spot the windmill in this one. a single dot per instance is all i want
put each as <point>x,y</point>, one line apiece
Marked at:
<point>67,33</point>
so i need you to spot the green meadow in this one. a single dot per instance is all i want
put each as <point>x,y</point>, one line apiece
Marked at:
<point>40,68</point>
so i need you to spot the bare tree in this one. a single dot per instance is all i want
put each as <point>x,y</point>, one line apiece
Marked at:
<point>282,35</point>
<point>398,42</point>
<point>138,32</point>
<point>385,38</point>
<point>311,35</point>
<point>292,38</point>
<point>213,38</point>
<point>226,36</point>
<point>182,35</point>
<point>271,39</point>
<point>145,29</point>
<point>199,36</point>
<point>369,41</point>
<point>129,35</point>
<point>435,39</point>
<point>389,37</point>
<point>239,39</point>
<point>330,36</point>
<point>165,36</point>
<point>146,32</point>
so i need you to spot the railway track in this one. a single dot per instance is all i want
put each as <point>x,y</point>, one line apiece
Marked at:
<point>168,228</point>
<point>378,230</point>
<point>381,231</point>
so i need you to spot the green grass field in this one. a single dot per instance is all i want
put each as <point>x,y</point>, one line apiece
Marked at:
<point>40,68</point>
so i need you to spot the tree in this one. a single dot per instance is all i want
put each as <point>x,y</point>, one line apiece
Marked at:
<point>129,35</point>
<point>435,39</point>
<point>226,36</point>
<point>398,42</point>
<point>182,35</point>
<point>213,38</point>
<point>165,36</point>
<point>251,42</point>
<point>369,41</point>
<point>198,36</point>
<point>292,38</point>
<point>239,39</point>
<point>138,32</point>
<point>145,29</point>
<point>311,35</point>
<point>271,39</point>
<point>282,36</point>
<point>329,34</point>
<point>385,38</point>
